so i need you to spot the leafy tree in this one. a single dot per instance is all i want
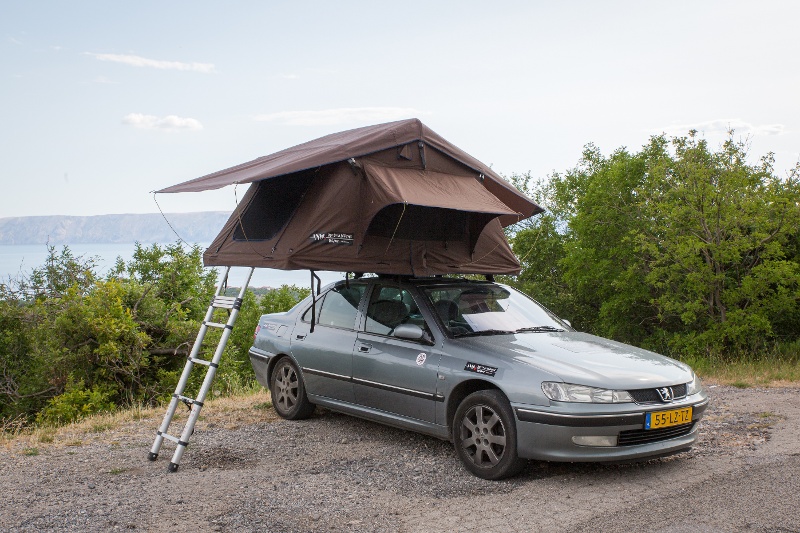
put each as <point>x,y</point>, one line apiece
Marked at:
<point>539,243</point>
<point>283,298</point>
<point>580,257</point>
<point>716,245</point>
<point>74,343</point>
<point>60,272</point>
<point>676,247</point>
<point>30,363</point>
<point>24,384</point>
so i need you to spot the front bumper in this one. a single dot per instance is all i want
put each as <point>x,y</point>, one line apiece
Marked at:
<point>547,434</point>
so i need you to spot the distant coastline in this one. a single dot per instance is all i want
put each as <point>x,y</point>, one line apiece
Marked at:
<point>107,237</point>
<point>20,259</point>
<point>112,229</point>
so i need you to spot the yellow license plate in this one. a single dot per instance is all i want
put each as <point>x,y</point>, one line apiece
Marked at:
<point>665,419</point>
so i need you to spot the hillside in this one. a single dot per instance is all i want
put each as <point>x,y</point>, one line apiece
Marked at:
<point>126,228</point>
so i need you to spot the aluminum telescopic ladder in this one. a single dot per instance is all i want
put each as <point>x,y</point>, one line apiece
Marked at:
<point>220,301</point>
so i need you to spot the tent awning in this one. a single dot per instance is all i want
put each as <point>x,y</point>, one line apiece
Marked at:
<point>408,135</point>
<point>391,185</point>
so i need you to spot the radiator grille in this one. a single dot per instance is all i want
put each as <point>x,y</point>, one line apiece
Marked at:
<point>652,396</point>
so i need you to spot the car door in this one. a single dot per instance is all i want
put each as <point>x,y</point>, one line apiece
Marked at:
<point>326,354</point>
<point>390,373</point>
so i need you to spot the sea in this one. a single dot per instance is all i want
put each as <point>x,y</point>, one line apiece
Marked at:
<point>16,259</point>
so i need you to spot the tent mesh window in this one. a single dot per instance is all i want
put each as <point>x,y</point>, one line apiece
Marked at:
<point>272,206</point>
<point>426,223</point>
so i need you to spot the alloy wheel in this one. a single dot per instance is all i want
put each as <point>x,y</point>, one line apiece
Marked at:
<point>483,436</point>
<point>287,388</point>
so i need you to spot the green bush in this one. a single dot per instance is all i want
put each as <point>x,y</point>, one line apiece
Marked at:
<point>73,343</point>
<point>75,403</point>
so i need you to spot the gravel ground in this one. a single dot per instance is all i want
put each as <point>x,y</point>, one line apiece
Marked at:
<point>337,473</point>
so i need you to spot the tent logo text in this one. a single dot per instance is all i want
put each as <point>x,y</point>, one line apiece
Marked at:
<point>333,238</point>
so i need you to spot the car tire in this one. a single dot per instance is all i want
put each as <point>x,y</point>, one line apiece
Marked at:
<point>485,435</point>
<point>288,391</point>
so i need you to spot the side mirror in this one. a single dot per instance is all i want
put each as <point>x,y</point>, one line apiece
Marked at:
<point>567,322</point>
<point>409,331</point>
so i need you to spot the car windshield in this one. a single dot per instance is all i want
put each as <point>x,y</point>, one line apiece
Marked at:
<point>489,309</point>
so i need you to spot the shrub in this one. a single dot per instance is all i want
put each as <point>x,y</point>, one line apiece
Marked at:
<point>75,403</point>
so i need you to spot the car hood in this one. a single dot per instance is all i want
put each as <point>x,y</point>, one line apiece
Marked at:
<point>585,359</point>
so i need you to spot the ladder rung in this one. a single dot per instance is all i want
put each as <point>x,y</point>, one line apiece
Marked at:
<point>176,440</point>
<point>187,400</point>
<point>217,325</point>
<point>202,362</point>
<point>226,302</point>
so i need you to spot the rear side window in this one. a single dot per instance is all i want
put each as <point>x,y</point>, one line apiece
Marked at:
<point>338,308</point>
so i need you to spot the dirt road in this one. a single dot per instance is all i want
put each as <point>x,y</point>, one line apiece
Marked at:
<point>334,473</point>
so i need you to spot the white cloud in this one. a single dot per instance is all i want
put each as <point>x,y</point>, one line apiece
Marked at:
<point>103,79</point>
<point>769,129</point>
<point>14,41</point>
<point>289,76</point>
<point>168,123</point>
<point>328,117</point>
<point>721,127</point>
<point>138,61</point>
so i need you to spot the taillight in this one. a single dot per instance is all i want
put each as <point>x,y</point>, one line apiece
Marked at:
<point>258,328</point>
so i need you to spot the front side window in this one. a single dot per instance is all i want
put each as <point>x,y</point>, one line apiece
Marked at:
<point>389,307</point>
<point>338,308</point>
<point>488,309</point>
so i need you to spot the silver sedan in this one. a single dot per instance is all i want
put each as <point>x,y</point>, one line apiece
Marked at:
<point>480,364</point>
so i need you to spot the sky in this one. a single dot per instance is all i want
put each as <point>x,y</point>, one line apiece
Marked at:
<point>103,102</point>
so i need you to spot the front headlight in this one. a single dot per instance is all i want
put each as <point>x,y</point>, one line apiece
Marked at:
<point>566,392</point>
<point>694,386</point>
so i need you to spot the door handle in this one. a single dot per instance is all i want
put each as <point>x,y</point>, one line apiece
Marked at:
<point>299,337</point>
<point>365,348</point>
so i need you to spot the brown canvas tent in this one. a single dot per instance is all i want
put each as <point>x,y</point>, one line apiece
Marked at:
<point>393,198</point>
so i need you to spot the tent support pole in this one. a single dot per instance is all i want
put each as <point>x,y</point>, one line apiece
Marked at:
<point>314,299</point>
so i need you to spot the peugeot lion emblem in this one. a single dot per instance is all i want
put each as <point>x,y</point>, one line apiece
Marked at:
<point>665,393</point>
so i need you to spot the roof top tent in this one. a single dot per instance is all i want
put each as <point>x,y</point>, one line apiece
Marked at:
<point>393,198</point>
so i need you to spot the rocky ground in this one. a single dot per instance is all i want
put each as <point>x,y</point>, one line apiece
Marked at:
<point>336,473</point>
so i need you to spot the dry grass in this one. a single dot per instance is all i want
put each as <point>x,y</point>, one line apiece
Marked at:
<point>783,372</point>
<point>232,412</point>
<point>113,428</point>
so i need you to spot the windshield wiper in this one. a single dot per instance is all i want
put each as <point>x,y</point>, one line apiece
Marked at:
<point>538,329</point>
<point>485,332</point>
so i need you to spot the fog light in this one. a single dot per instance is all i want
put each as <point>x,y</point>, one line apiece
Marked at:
<point>584,440</point>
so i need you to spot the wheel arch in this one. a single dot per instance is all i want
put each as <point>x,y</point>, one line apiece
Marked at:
<point>461,391</point>
<point>273,361</point>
